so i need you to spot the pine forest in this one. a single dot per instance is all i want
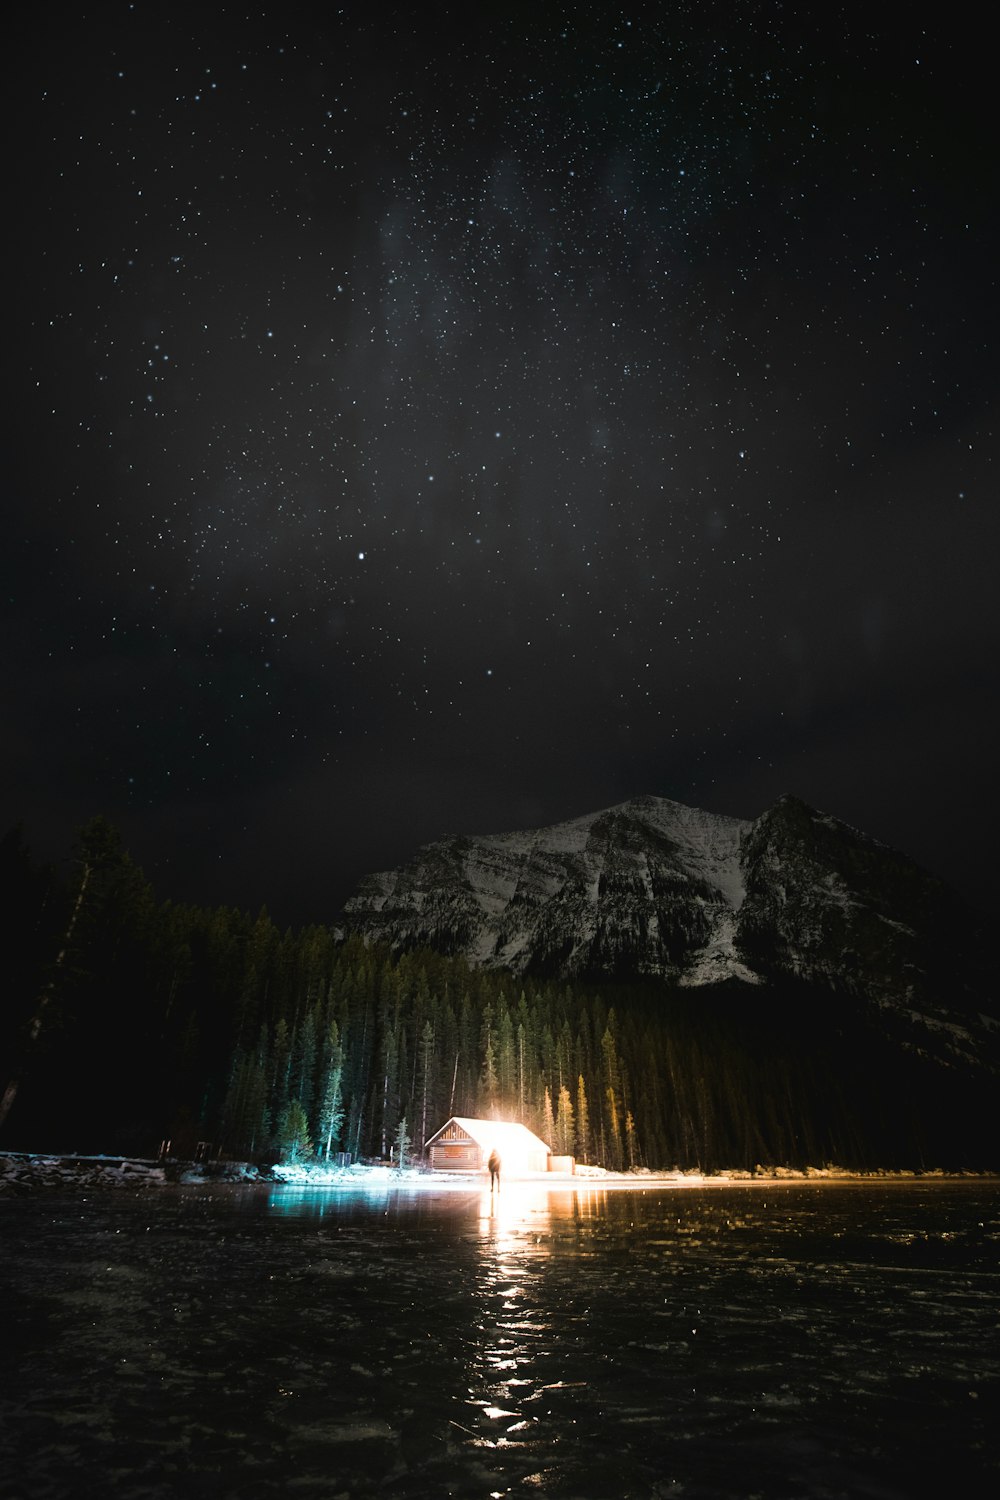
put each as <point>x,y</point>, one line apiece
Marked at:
<point>131,1023</point>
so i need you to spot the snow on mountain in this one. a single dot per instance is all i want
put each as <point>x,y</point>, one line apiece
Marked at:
<point>653,889</point>
<point>647,887</point>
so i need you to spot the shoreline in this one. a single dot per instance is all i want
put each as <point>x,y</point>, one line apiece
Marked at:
<point>24,1171</point>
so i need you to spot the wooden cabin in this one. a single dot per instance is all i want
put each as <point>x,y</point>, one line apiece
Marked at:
<point>464,1145</point>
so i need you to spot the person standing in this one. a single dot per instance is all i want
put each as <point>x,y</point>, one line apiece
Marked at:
<point>494,1166</point>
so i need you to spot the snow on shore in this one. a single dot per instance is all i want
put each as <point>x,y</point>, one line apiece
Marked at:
<point>21,1171</point>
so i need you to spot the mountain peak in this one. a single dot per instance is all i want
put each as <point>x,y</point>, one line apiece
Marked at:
<point>653,889</point>
<point>648,885</point>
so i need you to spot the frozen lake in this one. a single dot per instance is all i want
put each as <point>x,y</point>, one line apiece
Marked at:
<point>789,1340</point>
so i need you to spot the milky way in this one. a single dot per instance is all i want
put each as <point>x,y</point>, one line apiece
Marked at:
<point>437,418</point>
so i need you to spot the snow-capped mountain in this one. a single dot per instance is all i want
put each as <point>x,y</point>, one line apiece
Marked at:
<point>651,888</point>
<point>648,887</point>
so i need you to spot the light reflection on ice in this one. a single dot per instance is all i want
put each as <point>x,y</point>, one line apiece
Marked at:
<point>568,1337</point>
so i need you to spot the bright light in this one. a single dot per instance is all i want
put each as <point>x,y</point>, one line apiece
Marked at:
<point>518,1157</point>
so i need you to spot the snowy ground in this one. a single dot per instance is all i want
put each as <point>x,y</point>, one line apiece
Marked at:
<point>21,1170</point>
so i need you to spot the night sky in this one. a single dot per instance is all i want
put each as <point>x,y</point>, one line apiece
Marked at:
<point>428,419</point>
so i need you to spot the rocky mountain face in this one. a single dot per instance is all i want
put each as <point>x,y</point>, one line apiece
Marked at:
<point>652,889</point>
<point>649,887</point>
<point>643,888</point>
<point>830,908</point>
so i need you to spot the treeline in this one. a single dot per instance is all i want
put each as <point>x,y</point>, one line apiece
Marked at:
<point>134,1022</point>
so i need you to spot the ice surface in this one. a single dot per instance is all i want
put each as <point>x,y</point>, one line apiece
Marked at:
<point>783,1340</point>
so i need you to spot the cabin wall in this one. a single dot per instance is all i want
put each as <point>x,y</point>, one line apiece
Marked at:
<point>456,1156</point>
<point>465,1147</point>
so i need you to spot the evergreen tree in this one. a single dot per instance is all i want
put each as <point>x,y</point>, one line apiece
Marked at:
<point>506,1062</point>
<point>280,1069</point>
<point>582,1122</point>
<point>293,1141</point>
<point>564,1133</point>
<point>390,1062</point>
<point>426,1076</point>
<point>331,1116</point>
<point>401,1144</point>
<point>244,1110</point>
<point>630,1142</point>
<point>465,1079</point>
<point>548,1131</point>
<point>488,1086</point>
<point>612,1097</point>
<point>303,1068</point>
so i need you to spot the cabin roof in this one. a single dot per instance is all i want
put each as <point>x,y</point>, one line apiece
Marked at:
<point>505,1135</point>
